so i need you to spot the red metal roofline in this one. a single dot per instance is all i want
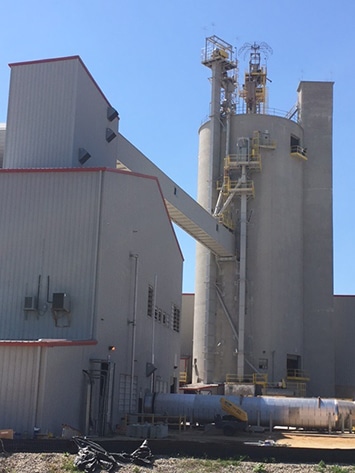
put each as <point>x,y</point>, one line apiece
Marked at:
<point>118,171</point>
<point>58,59</point>
<point>50,342</point>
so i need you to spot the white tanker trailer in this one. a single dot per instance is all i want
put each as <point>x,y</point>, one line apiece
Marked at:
<point>306,413</point>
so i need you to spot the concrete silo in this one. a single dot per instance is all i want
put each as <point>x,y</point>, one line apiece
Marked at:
<point>267,177</point>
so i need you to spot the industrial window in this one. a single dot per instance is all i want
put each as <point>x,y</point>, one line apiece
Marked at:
<point>176,318</point>
<point>150,301</point>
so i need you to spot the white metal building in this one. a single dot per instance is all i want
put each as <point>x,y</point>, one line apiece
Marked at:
<point>89,317</point>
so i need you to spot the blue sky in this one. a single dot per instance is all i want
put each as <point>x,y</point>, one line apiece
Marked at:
<point>146,57</point>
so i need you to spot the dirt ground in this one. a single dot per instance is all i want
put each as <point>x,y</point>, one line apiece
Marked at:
<point>314,440</point>
<point>296,439</point>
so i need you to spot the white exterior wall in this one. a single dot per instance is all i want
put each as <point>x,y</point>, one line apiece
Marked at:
<point>274,311</point>
<point>187,324</point>
<point>2,142</point>
<point>19,375</point>
<point>49,228</point>
<point>274,285</point>
<point>149,235</point>
<point>289,310</point>
<point>58,108</point>
<point>41,386</point>
<point>316,118</point>
<point>62,387</point>
<point>344,329</point>
<point>79,227</point>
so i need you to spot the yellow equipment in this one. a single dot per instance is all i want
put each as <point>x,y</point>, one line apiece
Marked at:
<point>233,410</point>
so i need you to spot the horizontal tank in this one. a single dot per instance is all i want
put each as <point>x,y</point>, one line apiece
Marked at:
<point>307,413</point>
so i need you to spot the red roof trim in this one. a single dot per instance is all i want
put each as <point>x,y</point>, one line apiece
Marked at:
<point>58,59</point>
<point>154,178</point>
<point>41,61</point>
<point>54,170</point>
<point>47,343</point>
<point>118,171</point>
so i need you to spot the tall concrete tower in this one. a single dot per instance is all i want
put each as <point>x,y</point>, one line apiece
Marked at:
<point>267,178</point>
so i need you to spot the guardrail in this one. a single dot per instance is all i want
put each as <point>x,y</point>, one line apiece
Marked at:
<point>255,378</point>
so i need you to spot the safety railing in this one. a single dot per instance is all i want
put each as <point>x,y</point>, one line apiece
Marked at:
<point>299,151</point>
<point>297,375</point>
<point>254,378</point>
<point>183,377</point>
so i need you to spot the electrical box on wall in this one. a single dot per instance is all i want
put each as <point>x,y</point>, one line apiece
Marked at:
<point>61,301</point>
<point>30,303</point>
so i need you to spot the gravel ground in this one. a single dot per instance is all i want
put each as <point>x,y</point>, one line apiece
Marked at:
<point>63,463</point>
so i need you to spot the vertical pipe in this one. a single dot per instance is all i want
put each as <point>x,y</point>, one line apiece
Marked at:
<point>242,279</point>
<point>88,402</point>
<point>152,385</point>
<point>215,125</point>
<point>134,322</point>
<point>37,386</point>
<point>228,128</point>
<point>110,386</point>
<point>350,423</point>
<point>96,255</point>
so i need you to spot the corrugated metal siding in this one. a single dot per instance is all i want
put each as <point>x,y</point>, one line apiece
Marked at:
<point>2,143</point>
<point>135,221</point>
<point>63,394</point>
<point>42,386</point>
<point>49,224</point>
<point>41,114</point>
<point>91,124</point>
<point>55,108</point>
<point>18,378</point>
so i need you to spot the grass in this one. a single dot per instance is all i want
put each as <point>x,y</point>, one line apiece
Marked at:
<point>323,468</point>
<point>191,465</point>
<point>259,468</point>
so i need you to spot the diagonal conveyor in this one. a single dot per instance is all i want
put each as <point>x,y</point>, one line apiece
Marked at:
<point>183,209</point>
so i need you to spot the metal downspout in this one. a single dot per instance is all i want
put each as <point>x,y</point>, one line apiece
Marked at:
<point>242,279</point>
<point>110,389</point>
<point>37,386</point>
<point>96,256</point>
<point>152,385</point>
<point>88,402</point>
<point>134,322</point>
